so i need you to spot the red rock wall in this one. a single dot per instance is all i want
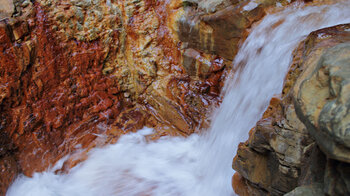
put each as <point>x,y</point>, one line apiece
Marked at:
<point>57,93</point>
<point>72,70</point>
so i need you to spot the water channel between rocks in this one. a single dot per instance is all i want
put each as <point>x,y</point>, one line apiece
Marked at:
<point>200,164</point>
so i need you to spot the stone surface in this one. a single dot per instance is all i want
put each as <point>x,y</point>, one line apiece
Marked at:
<point>337,178</point>
<point>6,8</point>
<point>76,75</point>
<point>276,146</point>
<point>311,190</point>
<point>79,74</point>
<point>219,32</point>
<point>303,123</point>
<point>8,165</point>
<point>8,172</point>
<point>244,188</point>
<point>220,26</point>
<point>326,114</point>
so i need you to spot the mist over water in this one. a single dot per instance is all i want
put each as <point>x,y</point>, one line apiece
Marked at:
<point>199,165</point>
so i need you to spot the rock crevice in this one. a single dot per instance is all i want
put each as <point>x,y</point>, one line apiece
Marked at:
<point>302,136</point>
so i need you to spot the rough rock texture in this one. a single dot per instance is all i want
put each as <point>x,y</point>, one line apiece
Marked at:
<point>310,190</point>
<point>326,115</point>
<point>220,26</point>
<point>301,139</point>
<point>79,74</point>
<point>220,32</point>
<point>8,166</point>
<point>76,74</point>
<point>6,8</point>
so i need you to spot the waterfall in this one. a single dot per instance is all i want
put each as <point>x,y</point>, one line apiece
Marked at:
<point>199,165</point>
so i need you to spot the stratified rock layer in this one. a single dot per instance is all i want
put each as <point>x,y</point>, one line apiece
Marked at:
<point>302,139</point>
<point>79,74</point>
<point>76,74</point>
<point>220,32</point>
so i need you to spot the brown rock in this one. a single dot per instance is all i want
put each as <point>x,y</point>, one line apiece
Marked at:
<point>327,76</point>
<point>279,143</point>
<point>337,178</point>
<point>244,187</point>
<point>189,61</point>
<point>252,167</point>
<point>310,190</point>
<point>8,173</point>
<point>19,30</point>
<point>239,185</point>
<point>219,33</point>
<point>282,141</point>
<point>74,70</point>
<point>8,165</point>
<point>6,8</point>
<point>313,166</point>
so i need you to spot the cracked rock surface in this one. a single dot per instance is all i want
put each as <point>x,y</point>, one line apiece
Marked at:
<point>301,141</point>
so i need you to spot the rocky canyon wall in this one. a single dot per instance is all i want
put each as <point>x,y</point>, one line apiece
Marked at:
<point>301,141</point>
<point>78,74</point>
<point>75,75</point>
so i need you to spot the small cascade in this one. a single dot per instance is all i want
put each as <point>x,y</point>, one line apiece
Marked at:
<point>199,164</point>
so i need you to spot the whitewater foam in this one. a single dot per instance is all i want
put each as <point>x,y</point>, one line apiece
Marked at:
<point>200,164</point>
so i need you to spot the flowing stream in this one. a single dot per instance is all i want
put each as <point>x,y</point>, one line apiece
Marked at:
<point>199,165</point>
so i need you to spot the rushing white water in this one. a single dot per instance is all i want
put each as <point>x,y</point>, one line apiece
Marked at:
<point>199,165</point>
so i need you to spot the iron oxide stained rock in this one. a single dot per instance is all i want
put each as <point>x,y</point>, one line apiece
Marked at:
<point>77,69</point>
<point>69,73</point>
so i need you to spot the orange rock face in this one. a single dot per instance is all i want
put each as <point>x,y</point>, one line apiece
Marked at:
<point>79,74</point>
<point>64,88</point>
<point>53,91</point>
<point>239,185</point>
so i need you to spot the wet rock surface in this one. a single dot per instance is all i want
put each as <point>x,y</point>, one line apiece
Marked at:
<point>8,166</point>
<point>79,74</point>
<point>76,75</point>
<point>300,142</point>
<point>329,123</point>
<point>66,87</point>
<point>220,32</point>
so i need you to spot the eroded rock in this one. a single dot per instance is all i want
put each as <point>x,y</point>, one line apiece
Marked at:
<point>303,123</point>
<point>6,8</point>
<point>218,33</point>
<point>79,74</point>
<point>326,114</point>
<point>310,190</point>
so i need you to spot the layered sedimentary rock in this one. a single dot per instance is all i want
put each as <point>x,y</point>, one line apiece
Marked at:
<point>301,140</point>
<point>219,32</point>
<point>78,74</point>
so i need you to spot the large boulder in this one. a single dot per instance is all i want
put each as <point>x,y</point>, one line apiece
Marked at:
<point>6,8</point>
<point>220,32</point>
<point>302,137</point>
<point>322,99</point>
